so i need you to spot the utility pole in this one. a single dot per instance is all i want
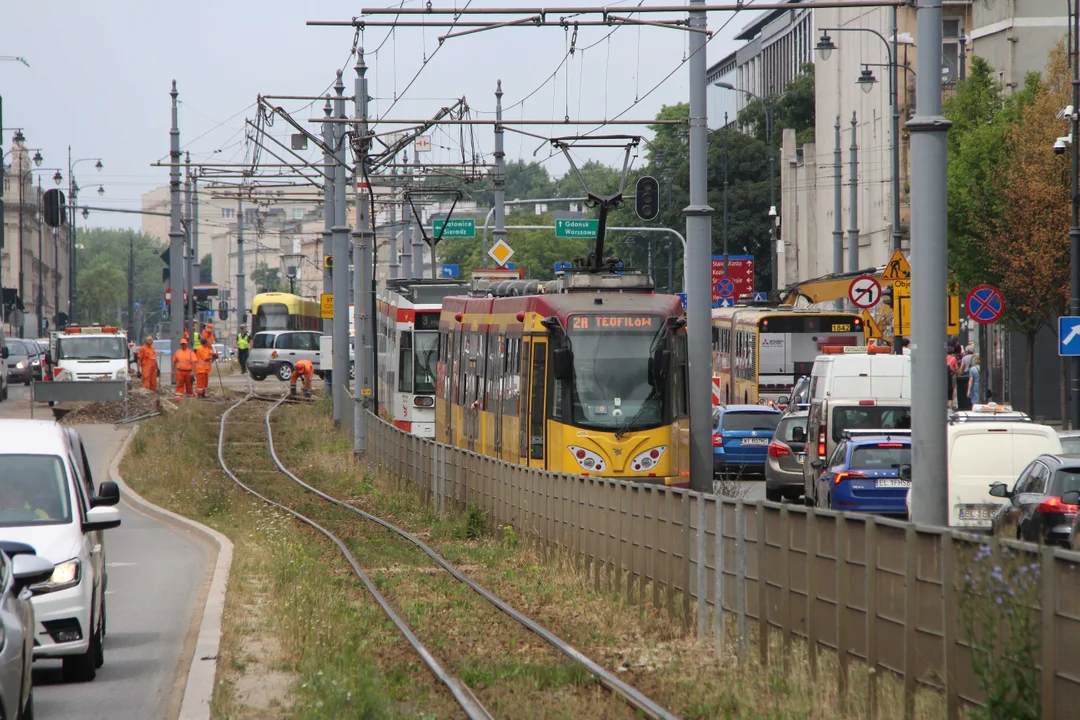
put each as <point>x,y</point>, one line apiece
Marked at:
<point>407,228</point>
<point>241,298</point>
<point>772,190</point>
<point>176,234</point>
<point>21,174</point>
<point>853,209</point>
<point>1074,231</point>
<point>929,211</point>
<point>394,264</point>
<point>698,263</point>
<point>39,298</point>
<point>726,253</point>
<point>500,177</point>
<point>56,277</point>
<point>894,81</point>
<point>189,291</point>
<point>328,135</point>
<point>73,193</point>
<point>131,288</point>
<point>417,238</point>
<point>341,266</point>
<point>363,264</point>
<point>195,269</point>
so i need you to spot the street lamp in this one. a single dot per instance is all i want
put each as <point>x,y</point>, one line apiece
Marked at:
<point>58,178</point>
<point>825,46</point>
<point>73,195</point>
<point>100,189</point>
<point>37,158</point>
<point>866,80</point>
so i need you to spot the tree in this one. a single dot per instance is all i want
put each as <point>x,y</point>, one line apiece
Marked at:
<point>103,250</point>
<point>102,293</point>
<point>793,110</point>
<point>266,278</point>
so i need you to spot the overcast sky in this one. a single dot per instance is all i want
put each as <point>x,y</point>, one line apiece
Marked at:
<point>100,74</point>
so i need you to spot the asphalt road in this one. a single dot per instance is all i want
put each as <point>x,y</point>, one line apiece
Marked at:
<point>156,575</point>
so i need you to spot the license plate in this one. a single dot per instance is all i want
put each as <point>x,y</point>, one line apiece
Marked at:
<point>799,457</point>
<point>755,441</point>
<point>893,482</point>
<point>977,512</point>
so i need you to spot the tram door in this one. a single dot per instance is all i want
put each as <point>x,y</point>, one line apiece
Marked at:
<point>498,369</point>
<point>450,386</point>
<point>537,396</point>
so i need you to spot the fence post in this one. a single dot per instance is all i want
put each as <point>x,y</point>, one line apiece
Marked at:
<point>948,588</point>
<point>740,578</point>
<point>842,641</point>
<point>785,585</point>
<point>911,618</point>
<point>1049,612</point>
<point>702,561</point>
<point>871,619</point>
<point>718,609</point>
<point>763,586</point>
<point>811,591</point>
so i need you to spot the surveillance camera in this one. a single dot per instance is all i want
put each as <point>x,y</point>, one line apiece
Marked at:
<point>1066,113</point>
<point>1060,143</point>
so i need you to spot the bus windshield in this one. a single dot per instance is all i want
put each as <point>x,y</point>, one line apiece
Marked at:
<point>427,355</point>
<point>92,347</point>
<point>611,387</point>
<point>789,344</point>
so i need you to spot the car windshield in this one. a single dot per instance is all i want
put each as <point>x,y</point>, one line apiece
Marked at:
<point>33,491</point>
<point>99,347</point>
<point>1070,445</point>
<point>869,417</point>
<point>611,385</point>
<point>750,420</point>
<point>886,456</point>
<point>785,431</point>
<point>16,347</point>
<point>426,349</point>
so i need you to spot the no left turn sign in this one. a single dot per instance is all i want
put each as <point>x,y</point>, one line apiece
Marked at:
<point>864,291</point>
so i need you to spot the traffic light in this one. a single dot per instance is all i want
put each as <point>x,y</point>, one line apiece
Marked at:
<point>328,262</point>
<point>54,208</point>
<point>223,310</point>
<point>647,201</point>
<point>887,296</point>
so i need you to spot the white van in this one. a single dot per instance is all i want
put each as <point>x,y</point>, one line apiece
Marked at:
<point>860,372</point>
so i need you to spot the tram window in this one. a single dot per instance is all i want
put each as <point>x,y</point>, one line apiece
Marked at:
<point>523,400</point>
<point>536,424</point>
<point>679,378</point>
<point>405,363</point>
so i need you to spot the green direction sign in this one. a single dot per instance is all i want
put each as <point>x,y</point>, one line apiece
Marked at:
<point>567,228</point>
<point>458,228</point>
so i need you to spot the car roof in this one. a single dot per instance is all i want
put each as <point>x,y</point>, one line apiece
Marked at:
<point>33,437</point>
<point>1062,461</point>
<point>749,408</point>
<point>875,439</point>
<point>796,415</point>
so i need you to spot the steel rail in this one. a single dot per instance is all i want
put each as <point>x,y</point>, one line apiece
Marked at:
<point>462,694</point>
<point>630,694</point>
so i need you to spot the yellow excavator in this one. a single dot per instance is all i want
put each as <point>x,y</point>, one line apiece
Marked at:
<point>834,286</point>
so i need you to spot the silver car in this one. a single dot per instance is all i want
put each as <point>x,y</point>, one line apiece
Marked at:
<point>787,452</point>
<point>20,568</point>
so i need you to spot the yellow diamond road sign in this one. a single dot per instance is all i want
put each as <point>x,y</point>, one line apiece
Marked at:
<point>501,253</point>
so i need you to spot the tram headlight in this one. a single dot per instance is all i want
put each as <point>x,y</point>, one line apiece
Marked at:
<point>649,459</point>
<point>587,459</point>
<point>424,402</point>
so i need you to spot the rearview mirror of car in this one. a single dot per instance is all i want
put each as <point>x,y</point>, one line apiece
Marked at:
<point>1000,490</point>
<point>27,570</point>
<point>817,464</point>
<point>107,496</point>
<point>1071,498</point>
<point>904,471</point>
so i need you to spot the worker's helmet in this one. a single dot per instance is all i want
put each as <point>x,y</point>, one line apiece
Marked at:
<point>183,341</point>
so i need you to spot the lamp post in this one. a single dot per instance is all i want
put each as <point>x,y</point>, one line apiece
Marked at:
<point>767,102</point>
<point>39,296</point>
<point>1074,230</point>
<point>866,81</point>
<point>73,193</point>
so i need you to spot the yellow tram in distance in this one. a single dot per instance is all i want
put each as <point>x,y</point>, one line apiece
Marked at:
<point>284,311</point>
<point>585,374</point>
<point>761,350</point>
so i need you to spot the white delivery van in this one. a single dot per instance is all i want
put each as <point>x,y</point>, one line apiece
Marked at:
<point>860,372</point>
<point>89,353</point>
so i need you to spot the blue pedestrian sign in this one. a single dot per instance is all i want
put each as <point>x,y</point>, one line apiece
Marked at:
<point>449,271</point>
<point>726,288</point>
<point>760,296</point>
<point>682,299</point>
<point>1069,336</point>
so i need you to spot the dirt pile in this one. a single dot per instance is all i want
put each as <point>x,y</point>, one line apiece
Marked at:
<point>140,402</point>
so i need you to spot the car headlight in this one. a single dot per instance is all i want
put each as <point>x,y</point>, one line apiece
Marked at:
<point>65,575</point>
<point>120,374</point>
<point>649,459</point>
<point>20,365</point>
<point>587,459</point>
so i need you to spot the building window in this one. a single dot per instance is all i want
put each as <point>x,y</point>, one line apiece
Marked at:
<point>950,50</point>
<point>298,214</point>
<point>228,213</point>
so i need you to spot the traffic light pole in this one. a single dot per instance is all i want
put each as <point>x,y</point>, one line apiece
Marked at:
<point>363,270</point>
<point>328,214</point>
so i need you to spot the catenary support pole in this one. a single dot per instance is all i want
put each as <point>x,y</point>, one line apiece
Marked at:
<point>131,290</point>
<point>500,178</point>
<point>406,227</point>
<point>418,243</point>
<point>196,276</point>
<point>894,90</point>
<point>698,264</point>
<point>189,288</point>
<point>853,200</point>
<point>363,247</point>
<point>724,162</point>
<point>929,165</point>
<point>241,276</point>
<point>395,265</point>
<point>340,232</point>
<point>328,132</point>
<point>1074,231</point>
<point>39,296</point>
<point>838,223</point>
<point>176,234</point>
<point>772,192</point>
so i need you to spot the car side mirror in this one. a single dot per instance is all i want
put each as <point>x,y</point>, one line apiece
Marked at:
<point>817,464</point>
<point>783,400</point>
<point>101,518</point>
<point>1000,490</point>
<point>562,363</point>
<point>108,495</point>
<point>27,570</point>
<point>904,471</point>
<point>659,365</point>
<point>1071,498</point>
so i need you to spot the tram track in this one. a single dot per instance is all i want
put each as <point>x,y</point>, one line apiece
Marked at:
<point>330,516</point>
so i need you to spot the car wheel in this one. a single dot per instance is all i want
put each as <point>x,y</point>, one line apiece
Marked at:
<point>284,372</point>
<point>773,495</point>
<point>258,377</point>
<point>83,668</point>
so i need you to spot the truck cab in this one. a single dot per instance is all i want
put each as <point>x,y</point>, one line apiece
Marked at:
<point>89,353</point>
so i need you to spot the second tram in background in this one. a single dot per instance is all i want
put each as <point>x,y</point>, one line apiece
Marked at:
<point>284,311</point>
<point>760,351</point>
<point>408,350</point>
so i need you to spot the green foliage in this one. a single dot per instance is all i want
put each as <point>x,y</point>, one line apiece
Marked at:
<point>792,110</point>
<point>475,523</point>
<point>102,267</point>
<point>266,278</point>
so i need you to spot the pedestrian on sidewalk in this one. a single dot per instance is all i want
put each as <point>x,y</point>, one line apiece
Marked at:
<point>183,363</point>
<point>973,377</point>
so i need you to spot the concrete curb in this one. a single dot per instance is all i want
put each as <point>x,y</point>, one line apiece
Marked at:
<point>199,688</point>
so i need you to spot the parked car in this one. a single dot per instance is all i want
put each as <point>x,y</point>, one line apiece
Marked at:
<point>1036,508</point>
<point>741,437</point>
<point>20,568</point>
<point>787,451</point>
<point>863,473</point>
<point>1070,442</point>
<point>48,501</point>
<point>274,352</point>
<point>20,361</point>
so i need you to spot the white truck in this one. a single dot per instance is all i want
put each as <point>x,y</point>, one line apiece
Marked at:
<point>89,353</point>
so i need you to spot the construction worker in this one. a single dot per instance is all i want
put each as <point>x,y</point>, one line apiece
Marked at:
<point>183,363</point>
<point>148,367</point>
<point>208,334</point>
<point>204,363</point>
<point>243,347</point>
<point>302,369</point>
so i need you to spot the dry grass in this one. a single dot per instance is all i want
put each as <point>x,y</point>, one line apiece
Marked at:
<point>651,649</point>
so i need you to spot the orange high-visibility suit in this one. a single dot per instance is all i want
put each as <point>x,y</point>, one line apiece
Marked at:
<point>303,369</point>
<point>207,335</point>
<point>204,357</point>
<point>148,366</point>
<point>183,363</point>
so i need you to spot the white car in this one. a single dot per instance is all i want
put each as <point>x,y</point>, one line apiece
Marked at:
<point>48,501</point>
<point>19,569</point>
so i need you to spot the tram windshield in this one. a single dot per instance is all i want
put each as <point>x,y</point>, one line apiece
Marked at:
<point>611,388</point>
<point>427,356</point>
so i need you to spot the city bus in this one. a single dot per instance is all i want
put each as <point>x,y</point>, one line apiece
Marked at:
<point>760,352</point>
<point>408,350</point>
<point>284,311</point>
<point>585,374</point>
